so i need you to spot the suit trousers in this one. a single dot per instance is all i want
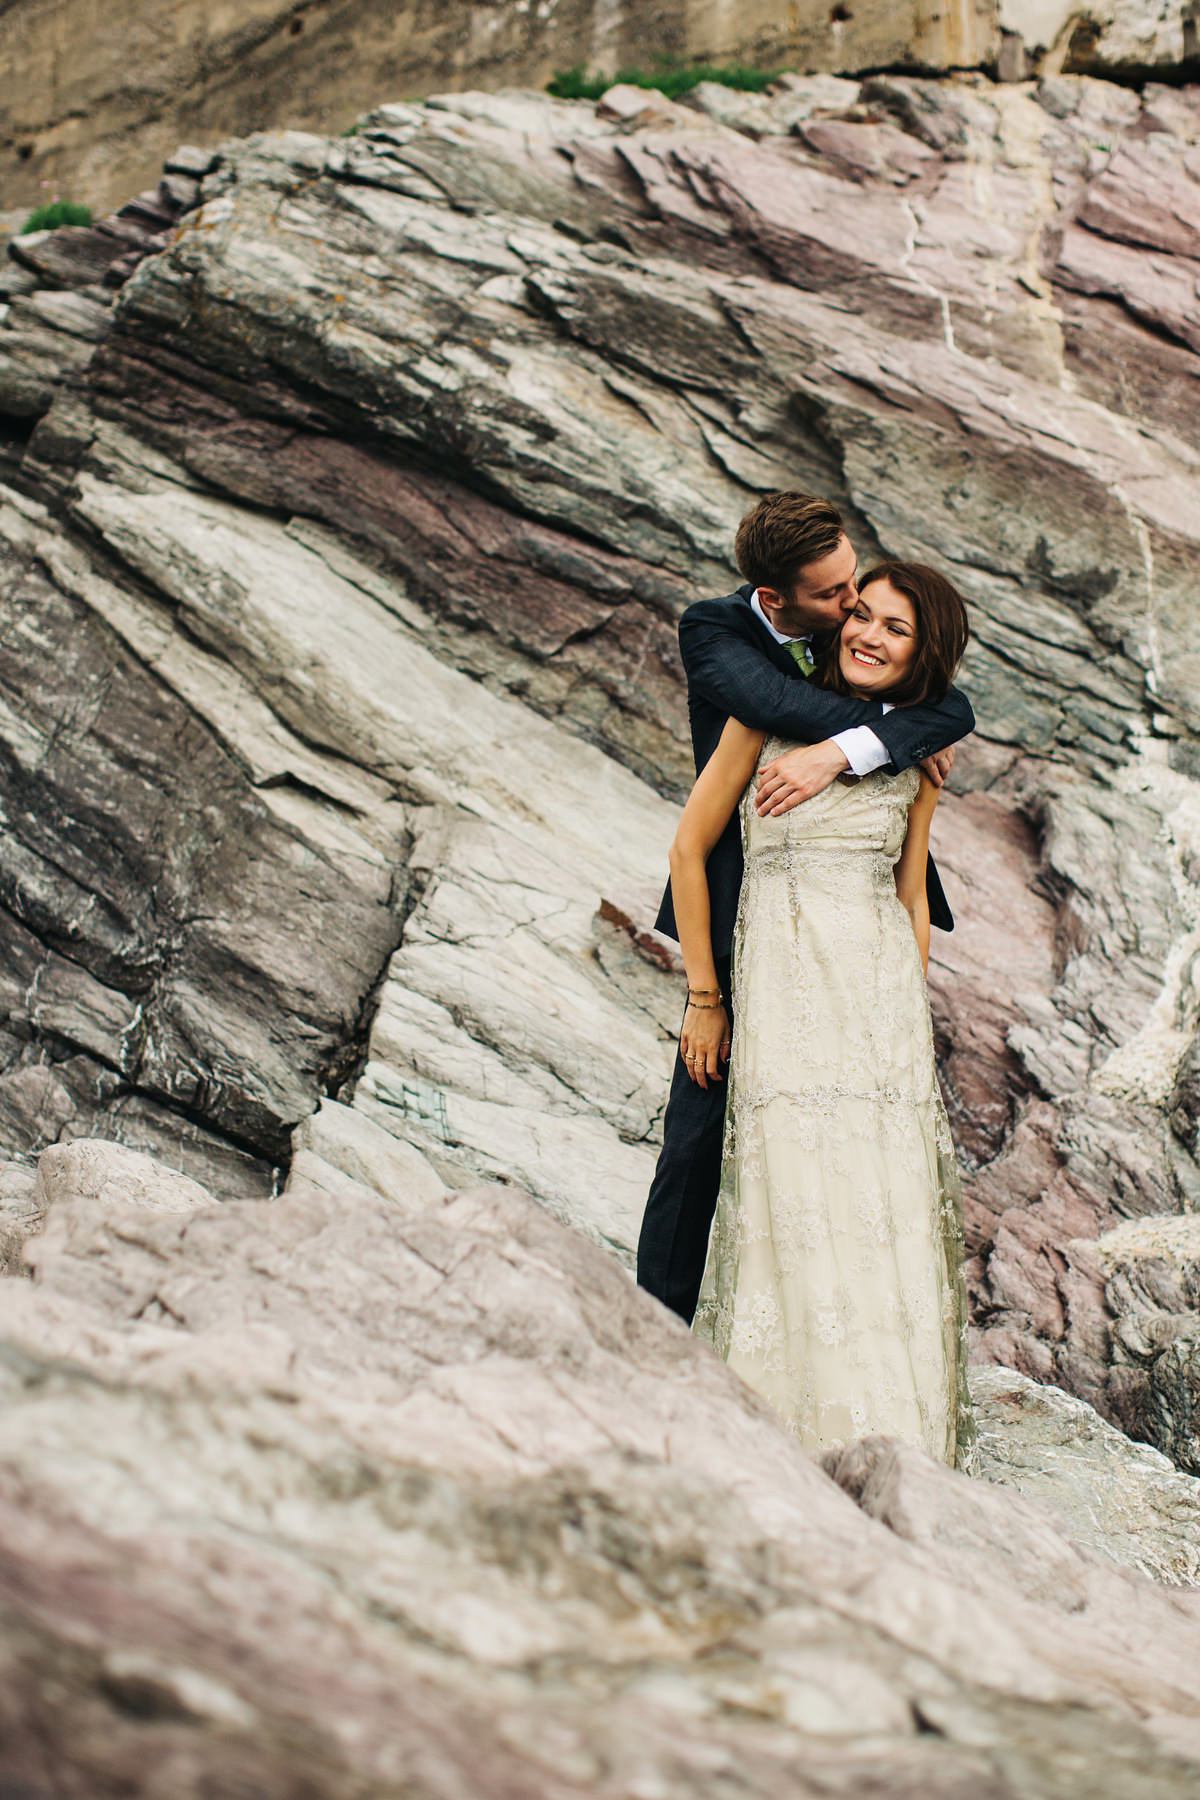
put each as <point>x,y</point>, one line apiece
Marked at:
<point>673,1245</point>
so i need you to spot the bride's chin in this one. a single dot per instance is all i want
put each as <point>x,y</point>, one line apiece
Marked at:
<point>854,681</point>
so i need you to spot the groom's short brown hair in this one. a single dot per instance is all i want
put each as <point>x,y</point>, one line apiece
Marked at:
<point>782,534</point>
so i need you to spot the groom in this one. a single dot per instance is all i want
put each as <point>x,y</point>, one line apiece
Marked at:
<point>747,657</point>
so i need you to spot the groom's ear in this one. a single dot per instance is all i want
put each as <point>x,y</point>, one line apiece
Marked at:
<point>771,601</point>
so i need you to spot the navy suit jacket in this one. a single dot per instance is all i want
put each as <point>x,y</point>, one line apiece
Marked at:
<point>735,669</point>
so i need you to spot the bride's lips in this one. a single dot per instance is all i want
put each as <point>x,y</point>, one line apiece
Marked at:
<point>863,656</point>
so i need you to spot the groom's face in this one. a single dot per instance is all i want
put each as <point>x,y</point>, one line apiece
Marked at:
<point>823,593</point>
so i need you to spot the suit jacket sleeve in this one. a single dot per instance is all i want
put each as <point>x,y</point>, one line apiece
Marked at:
<point>911,733</point>
<point>738,677</point>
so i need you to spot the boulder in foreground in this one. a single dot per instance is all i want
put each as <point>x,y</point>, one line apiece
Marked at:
<point>421,1496</point>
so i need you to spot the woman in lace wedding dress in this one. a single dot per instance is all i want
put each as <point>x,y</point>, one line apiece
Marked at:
<point>834,1282</point>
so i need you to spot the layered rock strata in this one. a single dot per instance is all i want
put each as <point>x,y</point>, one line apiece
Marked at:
<point>418,1495</point>
<point>92,101</point>
<point>343,711</point>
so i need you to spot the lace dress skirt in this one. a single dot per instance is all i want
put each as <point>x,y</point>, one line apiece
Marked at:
<point>834,1284</point>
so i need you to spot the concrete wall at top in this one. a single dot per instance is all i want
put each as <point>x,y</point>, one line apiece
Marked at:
<point>92,97</point>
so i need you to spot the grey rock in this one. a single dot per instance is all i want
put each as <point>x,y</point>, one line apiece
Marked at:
<point>1122,1498</point>
<point>20,1214</point>
<point>337,1144</point>
<point>178,192</point>
<point>132,855</point>
<point>1152,1267</point>
<point>376,1491</point>
<point>777,112</point>
<point>74,256</point>
<point>190,162</point>
<point>112,1178</point>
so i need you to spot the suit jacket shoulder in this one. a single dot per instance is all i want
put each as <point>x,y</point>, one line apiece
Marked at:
<point>707,624</point>
<point>732,611</point>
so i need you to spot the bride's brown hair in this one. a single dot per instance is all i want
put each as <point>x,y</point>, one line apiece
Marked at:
<point>942,634</point>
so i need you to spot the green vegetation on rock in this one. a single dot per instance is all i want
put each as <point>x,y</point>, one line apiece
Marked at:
<point>576,84</point>
<point>56,213</point>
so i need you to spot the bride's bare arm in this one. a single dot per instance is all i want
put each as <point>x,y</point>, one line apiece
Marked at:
<point>910,870</point>
<point>718,789</point>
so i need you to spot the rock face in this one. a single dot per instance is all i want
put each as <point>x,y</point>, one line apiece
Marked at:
<point>1126,37</point>
<point>343,555</point>
<point>345,523</point>
<point>1153,1289</point>
<point>92,101</point>
<point>1126,1500</point>
<point>341,1494</point>
<point>342,565</point>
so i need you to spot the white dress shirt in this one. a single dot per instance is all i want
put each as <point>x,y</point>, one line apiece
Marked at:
<point>859,745</point>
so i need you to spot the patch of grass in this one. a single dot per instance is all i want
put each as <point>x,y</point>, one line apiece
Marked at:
<point>576,84</point>
<point>56,213</point>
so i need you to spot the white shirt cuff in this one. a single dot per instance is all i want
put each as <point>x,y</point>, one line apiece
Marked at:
<point>861,749</point>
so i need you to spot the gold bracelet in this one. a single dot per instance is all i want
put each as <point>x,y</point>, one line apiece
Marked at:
<point>706,1005</point>
<point>705,991</point>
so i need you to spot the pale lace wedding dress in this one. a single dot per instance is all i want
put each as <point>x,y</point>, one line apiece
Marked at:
<point>834,1283</point>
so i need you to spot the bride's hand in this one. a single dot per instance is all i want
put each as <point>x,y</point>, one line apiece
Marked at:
<point>797,775</point>
<point>704,1043</point>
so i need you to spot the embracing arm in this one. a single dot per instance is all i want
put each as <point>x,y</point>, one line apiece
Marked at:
<point>911,733</point>
<point>734,673</point>
<point>718,789</point>
<point>739,678</point>
<point>924,734</point>
<point>910,870</point>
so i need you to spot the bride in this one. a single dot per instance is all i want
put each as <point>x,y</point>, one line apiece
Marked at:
<point>834,1281</point>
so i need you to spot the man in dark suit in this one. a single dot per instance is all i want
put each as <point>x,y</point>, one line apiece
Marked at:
<point>747,657</point>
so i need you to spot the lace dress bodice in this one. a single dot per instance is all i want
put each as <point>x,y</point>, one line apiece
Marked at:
<point>851,818</point>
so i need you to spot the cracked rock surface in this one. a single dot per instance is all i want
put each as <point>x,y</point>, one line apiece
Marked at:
<point>341,724</point>
<point>412,1492</point>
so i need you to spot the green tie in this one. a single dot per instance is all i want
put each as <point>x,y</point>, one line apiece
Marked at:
<point>798,650</point>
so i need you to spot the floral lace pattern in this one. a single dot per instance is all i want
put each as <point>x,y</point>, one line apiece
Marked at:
<point>834,1282</point>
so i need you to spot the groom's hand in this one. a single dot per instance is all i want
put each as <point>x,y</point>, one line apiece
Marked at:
<point>797,775</point>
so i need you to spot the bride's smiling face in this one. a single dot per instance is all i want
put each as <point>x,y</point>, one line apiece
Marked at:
<point>879,640</point>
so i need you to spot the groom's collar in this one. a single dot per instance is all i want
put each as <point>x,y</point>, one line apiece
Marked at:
<point>780,638</point>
